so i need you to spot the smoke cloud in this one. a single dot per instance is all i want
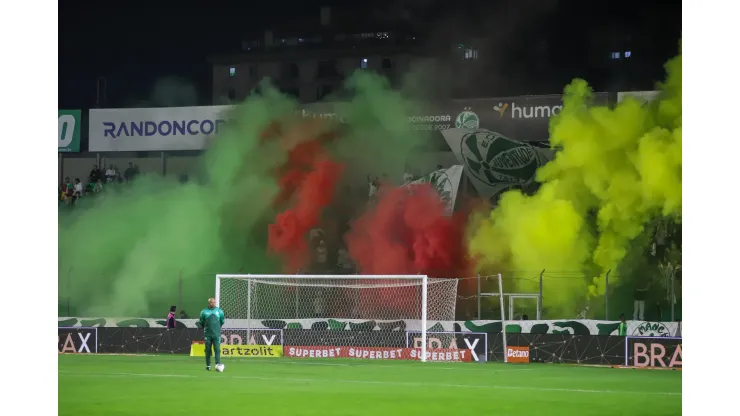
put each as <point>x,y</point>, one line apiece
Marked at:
<point>268,179</point>
<point>616,170</point>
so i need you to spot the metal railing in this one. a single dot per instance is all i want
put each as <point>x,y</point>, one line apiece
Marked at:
<point>528,291</point>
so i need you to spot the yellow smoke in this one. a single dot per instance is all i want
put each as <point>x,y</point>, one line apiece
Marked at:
<point>616,169</point>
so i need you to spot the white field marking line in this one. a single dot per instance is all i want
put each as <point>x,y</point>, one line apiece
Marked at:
<point>387,383</point>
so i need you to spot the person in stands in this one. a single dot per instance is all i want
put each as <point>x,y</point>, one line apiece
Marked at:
<point>67,190</point>
<point>130,173</point>
<point>95,174</point>
<point>78,190</point>
<point>98,186</point>
<point>622,328</point>
<point>111,174</point>
<point>171,321</point>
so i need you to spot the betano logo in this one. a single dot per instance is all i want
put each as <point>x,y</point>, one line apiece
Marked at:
<point>517,354</point>
<point>539,111</point>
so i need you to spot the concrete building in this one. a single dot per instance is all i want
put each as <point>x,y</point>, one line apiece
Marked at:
<point>309,60</point>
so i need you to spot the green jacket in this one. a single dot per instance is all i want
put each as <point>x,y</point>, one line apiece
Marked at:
<point>212,320</point>
<point>622,328</point>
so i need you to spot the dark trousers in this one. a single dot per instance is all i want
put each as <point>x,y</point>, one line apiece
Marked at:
<point>215,343</point>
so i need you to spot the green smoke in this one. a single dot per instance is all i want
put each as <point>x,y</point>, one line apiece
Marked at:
<point>124,253</point>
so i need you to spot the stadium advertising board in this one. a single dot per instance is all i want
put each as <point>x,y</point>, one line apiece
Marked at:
<point>543,347</point>
<point>155,129</point>
<point>198,349</point>
<point>517,354</point>
<point>77,340</point>
<point>239,336</point>
<point>376,353</point>
<point>645,96</point>
<point>656,352</point>
<point>475,342</point>
<point>523,118</point>
<point>69,130</point>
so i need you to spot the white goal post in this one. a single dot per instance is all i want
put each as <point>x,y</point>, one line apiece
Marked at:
<point>393,303</point>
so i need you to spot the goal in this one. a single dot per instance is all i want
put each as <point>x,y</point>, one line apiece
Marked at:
<point>354,316</point>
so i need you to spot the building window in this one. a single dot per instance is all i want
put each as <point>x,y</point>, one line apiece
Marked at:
<point>387,63</point>
<point>290,70</point>
<point>232,71</point>
<point>327,69</point>
<point>232,94</point>
<point>363,63</point>
<point>470,53</point>
<point>627,54</point>
<point>616,55</point>
<point>292,92</point>
<point>323,91</point>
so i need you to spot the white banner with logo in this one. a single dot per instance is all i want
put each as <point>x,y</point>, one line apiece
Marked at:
<point>563,326</point>
<point>155,129</point>
<point>495,162</point>
<point>446,182</point>
<point>645,96</point>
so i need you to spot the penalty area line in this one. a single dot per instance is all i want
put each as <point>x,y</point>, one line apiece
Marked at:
<point>380,382</point>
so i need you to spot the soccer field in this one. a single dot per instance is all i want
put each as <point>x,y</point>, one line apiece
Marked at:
<point>180,385</point>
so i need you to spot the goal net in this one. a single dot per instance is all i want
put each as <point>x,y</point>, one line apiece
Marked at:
<point>355,316</point>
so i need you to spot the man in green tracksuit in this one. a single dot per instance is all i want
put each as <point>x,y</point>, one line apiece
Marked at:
<point>622,328</point>
<point>211,319</point>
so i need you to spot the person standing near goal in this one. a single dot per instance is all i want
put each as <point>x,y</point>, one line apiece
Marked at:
<point>211,319</point>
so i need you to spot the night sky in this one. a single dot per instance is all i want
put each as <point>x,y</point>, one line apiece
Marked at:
<point>133,46</point>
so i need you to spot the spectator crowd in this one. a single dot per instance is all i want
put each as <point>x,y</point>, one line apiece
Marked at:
<point>98,180</point>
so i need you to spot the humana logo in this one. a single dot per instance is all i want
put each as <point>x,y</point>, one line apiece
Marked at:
<point>541,111</point>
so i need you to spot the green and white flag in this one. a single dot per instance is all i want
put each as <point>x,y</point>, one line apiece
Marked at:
<point>494,162</point>
<point>446,182</point>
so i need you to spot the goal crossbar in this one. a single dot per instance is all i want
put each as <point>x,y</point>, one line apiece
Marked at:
<point>324,276</point>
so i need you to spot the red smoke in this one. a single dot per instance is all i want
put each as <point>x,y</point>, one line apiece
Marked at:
<point>306,182</point>
<point>409,232</point>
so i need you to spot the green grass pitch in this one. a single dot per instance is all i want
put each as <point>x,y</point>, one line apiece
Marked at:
<point>179,385</point>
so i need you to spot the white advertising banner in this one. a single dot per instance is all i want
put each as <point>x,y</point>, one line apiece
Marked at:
<point>155,129</point>
<point>640,95</point>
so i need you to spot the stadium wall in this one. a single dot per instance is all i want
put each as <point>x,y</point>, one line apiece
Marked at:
<point>565,326</point>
